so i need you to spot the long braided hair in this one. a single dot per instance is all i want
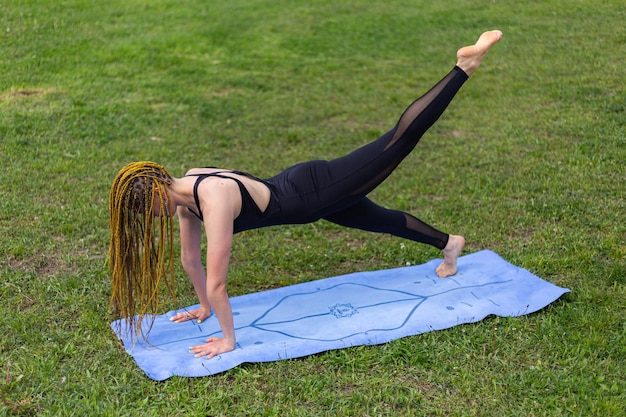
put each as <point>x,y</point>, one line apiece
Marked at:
<point>141,251</point>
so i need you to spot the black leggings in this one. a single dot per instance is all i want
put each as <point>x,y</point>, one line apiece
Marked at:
<point>336,190</point>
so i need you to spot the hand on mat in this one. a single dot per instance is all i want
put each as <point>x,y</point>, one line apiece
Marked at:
<point>213,347</point>
<point>199,314</point>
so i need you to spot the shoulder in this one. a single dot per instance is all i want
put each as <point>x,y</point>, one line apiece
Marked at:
<point>200,171</point>
<point>219,196</point>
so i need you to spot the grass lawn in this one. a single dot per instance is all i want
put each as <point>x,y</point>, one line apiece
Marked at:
<point>528,161</point>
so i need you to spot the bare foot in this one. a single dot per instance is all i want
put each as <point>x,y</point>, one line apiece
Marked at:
<point>450,254</point>
<point>469,57</point>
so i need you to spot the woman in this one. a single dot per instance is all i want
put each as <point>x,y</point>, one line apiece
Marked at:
<point>144,196</point>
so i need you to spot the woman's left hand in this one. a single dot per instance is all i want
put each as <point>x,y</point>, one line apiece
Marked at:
<point>213,347</point>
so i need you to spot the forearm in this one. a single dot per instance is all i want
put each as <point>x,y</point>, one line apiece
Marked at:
<point>197,277</point>
<point>218,298</point>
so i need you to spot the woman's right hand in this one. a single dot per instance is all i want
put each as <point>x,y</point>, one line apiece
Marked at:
<point>200,314</point>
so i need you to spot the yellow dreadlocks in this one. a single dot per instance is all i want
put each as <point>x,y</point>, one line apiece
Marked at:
<point>141,252</point>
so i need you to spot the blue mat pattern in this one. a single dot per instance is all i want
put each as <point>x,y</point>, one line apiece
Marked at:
<point>361,308</point>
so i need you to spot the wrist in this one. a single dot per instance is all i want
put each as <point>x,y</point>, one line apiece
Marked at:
<point>230,342</point>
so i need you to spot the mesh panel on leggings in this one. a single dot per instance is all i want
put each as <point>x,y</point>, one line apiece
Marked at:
<point>426,233</point>
<point>416,109</point>
<point>414,122</point>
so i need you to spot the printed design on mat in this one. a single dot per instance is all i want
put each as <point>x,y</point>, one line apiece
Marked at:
<point>311,318</point>
<point>343,310</point>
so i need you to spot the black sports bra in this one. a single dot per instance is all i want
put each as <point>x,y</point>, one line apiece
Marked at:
<point>250,211</point>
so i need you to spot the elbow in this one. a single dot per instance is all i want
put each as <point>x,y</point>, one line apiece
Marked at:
<point>216,290</point>
<point>190,263</point>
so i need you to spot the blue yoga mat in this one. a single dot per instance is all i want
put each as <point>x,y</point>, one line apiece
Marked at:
<point>361,308</point>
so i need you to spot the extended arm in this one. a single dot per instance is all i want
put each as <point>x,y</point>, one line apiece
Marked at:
<point>221,205</point>
<point>191,258</point>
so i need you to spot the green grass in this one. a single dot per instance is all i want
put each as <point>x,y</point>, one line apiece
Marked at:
<point>528,161</point>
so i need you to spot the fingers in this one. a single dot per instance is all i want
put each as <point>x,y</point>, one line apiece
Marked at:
<point>203,316</point>
<point>184,316</point>
<point>214,346</point>
<point>202,350</point>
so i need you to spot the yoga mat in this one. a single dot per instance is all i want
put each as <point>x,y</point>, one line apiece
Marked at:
<point>361,308</point>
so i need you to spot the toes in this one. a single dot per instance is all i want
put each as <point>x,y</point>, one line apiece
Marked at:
<point>444,270</point>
